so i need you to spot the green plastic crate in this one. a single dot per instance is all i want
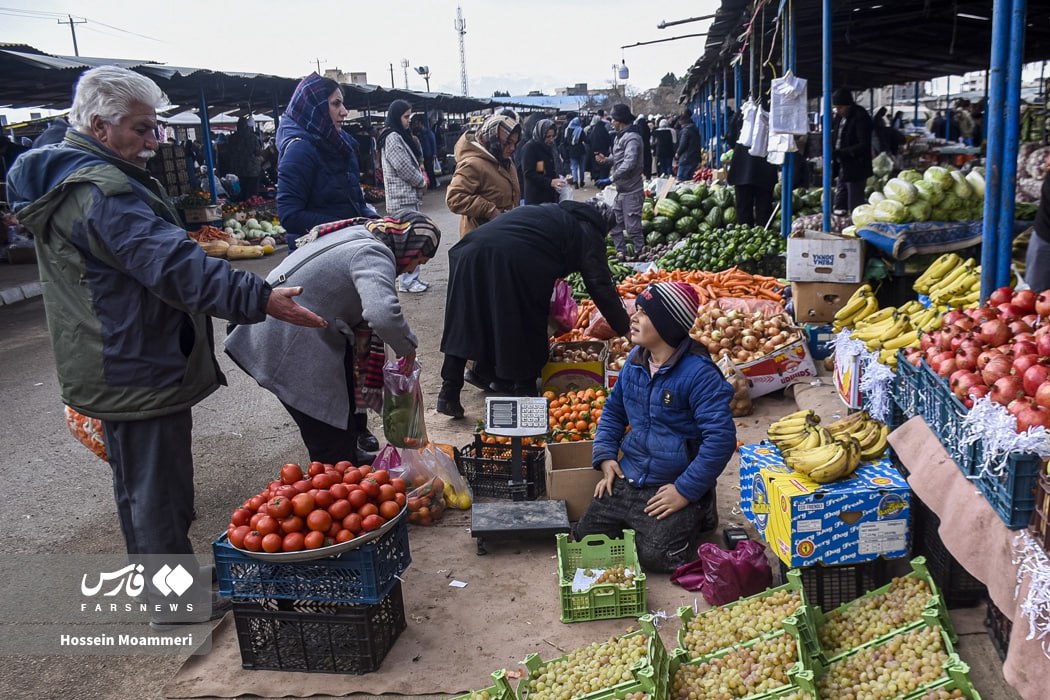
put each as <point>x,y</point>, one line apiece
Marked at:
<point>650,675</point>
<point>958,679</point>
<point>934,607</point>
<point>607,600</point>
<point>794,583</point>
<point>499,690</point>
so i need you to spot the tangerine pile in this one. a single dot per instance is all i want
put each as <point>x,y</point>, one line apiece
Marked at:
<point>574,416</point>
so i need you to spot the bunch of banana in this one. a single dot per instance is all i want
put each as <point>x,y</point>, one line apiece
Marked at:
<point>826,463</point>
<point>814,436</point>
<point>926,320</point>
<point>791,430</point>
<point>859,306</point>
<point>883,327</point>
<point>869,433</point>
<point>961,287</point>
<point>937,271</point>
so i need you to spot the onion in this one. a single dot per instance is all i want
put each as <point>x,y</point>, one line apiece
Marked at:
<point>732,332</point>
<point>749,342</point>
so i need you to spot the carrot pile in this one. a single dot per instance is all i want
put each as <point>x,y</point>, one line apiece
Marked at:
<point>209,233</point>
<point>733,282</point>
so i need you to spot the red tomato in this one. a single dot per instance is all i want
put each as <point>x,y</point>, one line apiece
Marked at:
<point>319,521</point>
<point>368,509</point>
<point>334,530</point>
<point>293,542</point>
<point>399,499</point>
<point>241,516</point>
<point>291,473</point>
<point>342,466</point>
<point>386,493</point>
<point>274,485</point>
<point>264,509</point>
<point>253,541</point>
<point>272,543</point>
<point>351,476</point>
<point>340,509</point>
<point>293,523</point>
<point>322,481</point>
<point>398,483</point>
<point>389,509</point>
<point>352,523</point>
<point>255,502</point>
<point>267,524</point>
<point>313,540</point>
<point>324,498</point>
<point>372,522</point>
<point>371,487</point>
<point>315,468</point>
<point>254,520</point>
<point>382,476</point>
<point>287,492</point>
<point>302,486</point>
<point>344,536</point>
<point>279,507</point>
<point>365,470</point>
<point>339,490</point>
<point>237,536</point>
<point>303,505</point>
<point>357,498</point>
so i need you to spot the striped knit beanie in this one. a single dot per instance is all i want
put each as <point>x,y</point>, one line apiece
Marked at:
<point>671,306</point>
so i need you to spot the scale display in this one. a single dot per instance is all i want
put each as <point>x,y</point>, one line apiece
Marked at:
<point>516,416</point>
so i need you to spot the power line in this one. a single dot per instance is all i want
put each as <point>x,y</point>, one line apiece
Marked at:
<point>66,19</point>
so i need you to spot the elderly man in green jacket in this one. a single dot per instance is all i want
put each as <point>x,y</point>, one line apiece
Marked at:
<point>128,298</point>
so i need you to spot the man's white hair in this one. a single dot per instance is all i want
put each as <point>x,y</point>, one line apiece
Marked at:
<point>108,92</point>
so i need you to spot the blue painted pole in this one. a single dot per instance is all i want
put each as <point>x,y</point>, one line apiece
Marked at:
<point>948,112</point>
<point>1011,130</point>
<point>825,207</point>
<point>717,149</point>
<point>209,156</point>
<point>787,171</point>
<point>994,168</point>
<point>915,120</point>
<point>738,86</point>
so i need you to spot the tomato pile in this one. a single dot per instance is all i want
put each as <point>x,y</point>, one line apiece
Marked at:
<point>330,504</point>
<point>574,416</point>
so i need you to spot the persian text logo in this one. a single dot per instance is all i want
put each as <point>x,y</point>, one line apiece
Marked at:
<point>166,581</point>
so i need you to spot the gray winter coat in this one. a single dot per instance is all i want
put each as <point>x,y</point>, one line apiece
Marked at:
<point>349,280</point>
<point>627,155</point>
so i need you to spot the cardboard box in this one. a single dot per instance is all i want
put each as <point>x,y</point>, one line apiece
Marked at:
<point>570,476</point>
<point>852,520</point>
<point>814,256</point>
<point>561,377</point>
<point>779,368</point>
<point>819,338</point>
<point>817,302</point>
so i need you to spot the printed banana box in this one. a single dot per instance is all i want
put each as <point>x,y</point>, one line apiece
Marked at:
<point>856,519</point>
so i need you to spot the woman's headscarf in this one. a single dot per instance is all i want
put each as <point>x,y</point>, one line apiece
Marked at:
<point>309,109</point>
<point>495,133</point>
<point>393,125</point>
<point>541,129</point>
<point>405,233</point>
<point>574,131</point>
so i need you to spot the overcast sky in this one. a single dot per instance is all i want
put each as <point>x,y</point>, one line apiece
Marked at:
<point>510,45</point>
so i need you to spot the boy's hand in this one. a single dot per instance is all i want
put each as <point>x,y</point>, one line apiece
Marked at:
<point>610,470</point>
<point>666,501</point>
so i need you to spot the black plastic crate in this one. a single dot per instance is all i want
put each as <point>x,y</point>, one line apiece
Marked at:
<point>830,586</point>
<point>959,587</point>
<point>999,629</point>
<point>490,471</point>
<point>317,637</point>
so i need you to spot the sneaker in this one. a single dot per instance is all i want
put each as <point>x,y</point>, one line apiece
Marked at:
<point>417,287</point>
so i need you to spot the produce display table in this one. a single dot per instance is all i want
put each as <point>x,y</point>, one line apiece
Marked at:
<point>979,540</point>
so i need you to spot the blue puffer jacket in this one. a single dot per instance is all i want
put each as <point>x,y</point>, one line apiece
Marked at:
<point>315,184</point>
<point>682,430</point>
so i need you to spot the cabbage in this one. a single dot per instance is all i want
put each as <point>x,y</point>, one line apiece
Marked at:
<point>901,191</point>
<point>863,215</point>
<point>882,164</point>
<point>919,211</point>
<point>252,224</point>
<point>891,211</point>
<point>976,181</point>
<point>950,204</point>
<point>850,231</point>
<point>231,223</point>
<point>876,197</point>
<point>938,214</point>
<point>939,175</point>
<point>929,191</point>
<point>961,187</point>
<point>910,175</point>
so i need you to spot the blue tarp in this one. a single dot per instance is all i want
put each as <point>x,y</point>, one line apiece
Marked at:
<point>901,241</point>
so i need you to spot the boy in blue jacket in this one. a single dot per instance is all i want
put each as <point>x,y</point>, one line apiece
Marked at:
<point>681,436</point>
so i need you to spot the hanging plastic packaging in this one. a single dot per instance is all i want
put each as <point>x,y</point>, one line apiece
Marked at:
<point>788,105</point>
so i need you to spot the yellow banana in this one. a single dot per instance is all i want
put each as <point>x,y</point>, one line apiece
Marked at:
<point>803,461</point>
<point>903,340</point>
<point>877,447</point>
<point>831,470</point>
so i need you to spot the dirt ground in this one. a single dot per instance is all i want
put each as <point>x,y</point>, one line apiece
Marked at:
<point>60,496</point>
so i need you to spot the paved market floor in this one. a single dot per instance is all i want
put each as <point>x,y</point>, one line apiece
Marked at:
<point>59,497</point>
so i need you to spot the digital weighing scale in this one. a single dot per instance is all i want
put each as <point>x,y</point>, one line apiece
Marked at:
<point>516,417</point>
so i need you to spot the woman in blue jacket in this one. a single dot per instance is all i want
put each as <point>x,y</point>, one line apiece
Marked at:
<point>318,176</point>
<point>681,437</point>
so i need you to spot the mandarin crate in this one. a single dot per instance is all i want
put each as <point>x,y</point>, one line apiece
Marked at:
<point>359,576</point>
<point>1040,523</point>
<point>829,586</point>
<point>603,601</point>
<point>958,586</point>
<point>489,470</point>
<point>317,637</point>
<point>499,690</point>
<point>999,629</point>
<point>650,675</point>
<point>1011,494</point>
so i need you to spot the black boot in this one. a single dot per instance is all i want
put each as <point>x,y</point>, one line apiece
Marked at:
<point>366,441</point>
<point>527,388</point>
<point>448,401</point>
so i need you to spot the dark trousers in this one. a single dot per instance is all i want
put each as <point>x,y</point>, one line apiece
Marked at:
<point>326,443</point>
<point>754,204</point>
<point>152,462</point>
<point>428,165</point>
<point>663,166</point>
<point>452,378</point>
<point>663,545</point>
<point>249,187</point>
<point>849,195</point>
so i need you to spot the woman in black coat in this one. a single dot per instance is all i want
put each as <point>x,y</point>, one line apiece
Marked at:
<point>539,165</point>
<point>501,278</point>
<point>753,179</point>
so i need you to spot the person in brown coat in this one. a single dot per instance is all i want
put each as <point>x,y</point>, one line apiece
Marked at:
<point>485,183</point>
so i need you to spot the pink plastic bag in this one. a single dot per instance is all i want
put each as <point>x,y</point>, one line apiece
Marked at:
<point>724,576</point>
<point>599,328</point>
<point>563,307</point>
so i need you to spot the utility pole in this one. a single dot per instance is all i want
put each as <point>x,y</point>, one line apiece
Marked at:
<point>391,76</point>
<point>318,62</point>
<point>72,30</point>
<point>461,29</point>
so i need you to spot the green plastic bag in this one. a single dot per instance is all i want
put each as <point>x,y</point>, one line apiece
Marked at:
<point>403,423</point>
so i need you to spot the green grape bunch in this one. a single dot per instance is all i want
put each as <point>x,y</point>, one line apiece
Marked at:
<point>942,694</point>
<point>587,669</point>
<point>617,575</point>
<point>875,616</point>
<point>739,673</point>
<point>749,619</point>
<point>898,667</point>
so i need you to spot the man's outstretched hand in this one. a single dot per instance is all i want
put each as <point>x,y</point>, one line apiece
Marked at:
<point>283,307</point>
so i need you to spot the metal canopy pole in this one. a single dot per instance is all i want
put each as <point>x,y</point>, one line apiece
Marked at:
<point>825,206</point>
<point>1011,129</point>
<point>717,121</point>
<point>787,171</point>
<point>948,112</point>
<point>738,86</point>
<point>915,119</point>
<point>209,157</point>
<point>994,166</point>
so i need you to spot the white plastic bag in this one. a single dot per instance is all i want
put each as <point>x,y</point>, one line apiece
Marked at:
<point>748,112</point>
<point>788,105</point>
<point>760,135</point>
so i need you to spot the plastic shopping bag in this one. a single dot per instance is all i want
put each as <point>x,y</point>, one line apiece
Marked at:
<point>760,135</point>
<point>748,111</point>
<point>564,309</point>
<point>403,423</point>
<point>426,487</point>
<point>88,431</point>
<point>787,105</point>
<point>726,575</point>
<point>740,404</point>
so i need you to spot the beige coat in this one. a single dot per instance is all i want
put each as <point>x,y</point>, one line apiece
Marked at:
<point>480,189</point>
